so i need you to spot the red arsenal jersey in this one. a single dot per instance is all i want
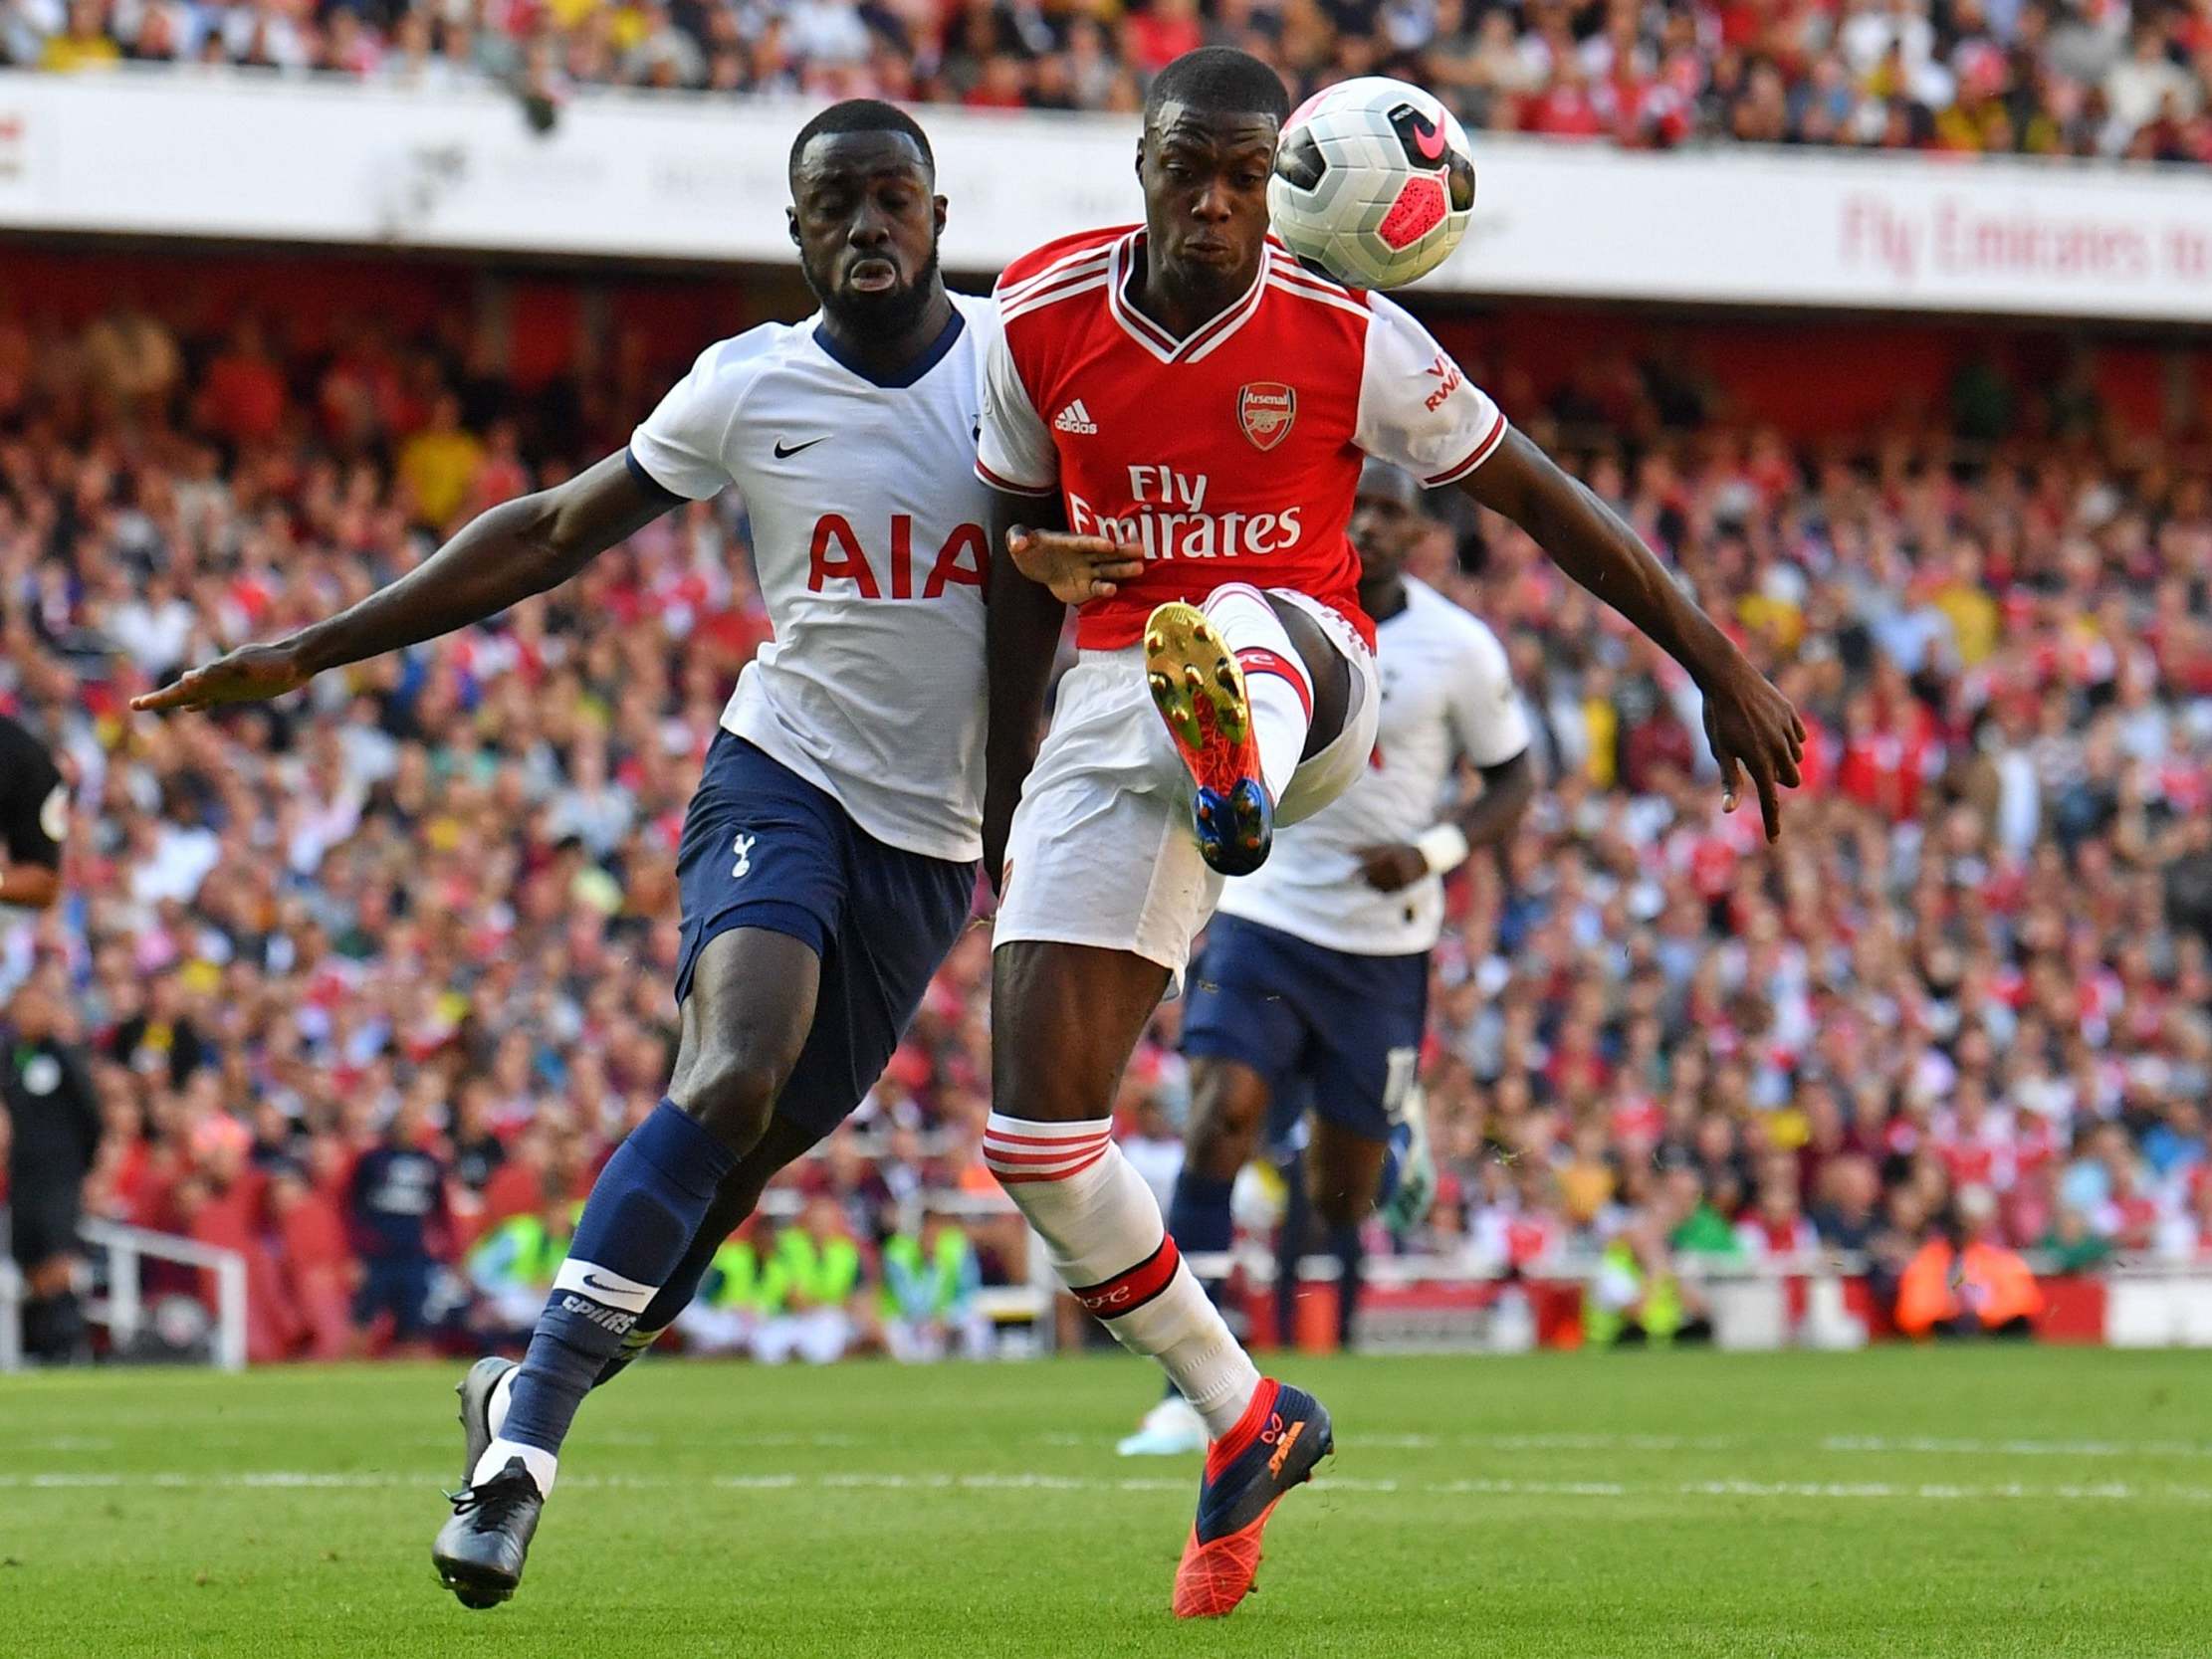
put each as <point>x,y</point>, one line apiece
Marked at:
<point>1229,456</point>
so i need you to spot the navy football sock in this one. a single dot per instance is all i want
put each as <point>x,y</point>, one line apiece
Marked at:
<point>640,1221</point>
<point>1200,1222</point>
<point>1351,1256</point>
<point>1199,1216</point>
<point>1290,1249</point>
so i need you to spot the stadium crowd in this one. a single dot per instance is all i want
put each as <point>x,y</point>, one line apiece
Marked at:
<point>372,979</point>
<point>2041,76</point>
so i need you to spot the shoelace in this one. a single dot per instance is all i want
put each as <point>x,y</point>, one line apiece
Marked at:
<point>494,1502</point>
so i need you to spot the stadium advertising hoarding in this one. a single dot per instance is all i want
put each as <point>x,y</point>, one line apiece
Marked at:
<point>662,177</point>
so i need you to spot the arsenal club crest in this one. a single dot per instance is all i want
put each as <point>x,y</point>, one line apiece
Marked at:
<point>1265,409</point>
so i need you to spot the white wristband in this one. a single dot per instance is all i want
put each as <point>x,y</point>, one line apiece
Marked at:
<point>1443,849</point>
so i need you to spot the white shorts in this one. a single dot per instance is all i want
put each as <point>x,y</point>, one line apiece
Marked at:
<point>1101,851</point>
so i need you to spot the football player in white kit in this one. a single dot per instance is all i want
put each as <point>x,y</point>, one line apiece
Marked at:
<point>1312,991</point>
<point>828,858</point>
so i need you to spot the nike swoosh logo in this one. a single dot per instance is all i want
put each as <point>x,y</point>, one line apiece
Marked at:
<point>589,1283</point>
<point>1430,141</point>
<point>783,453</point>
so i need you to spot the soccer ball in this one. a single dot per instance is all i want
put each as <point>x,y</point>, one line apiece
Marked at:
<point>1373,182</point>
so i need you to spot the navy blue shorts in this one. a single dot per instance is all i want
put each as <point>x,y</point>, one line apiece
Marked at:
<point>763,848</point>
<point>398,1286</point>
<point>1330,1030</point>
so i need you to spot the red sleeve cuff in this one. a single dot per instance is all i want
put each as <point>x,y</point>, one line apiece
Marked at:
<point>1481,453</point>
<point>1010,487</point>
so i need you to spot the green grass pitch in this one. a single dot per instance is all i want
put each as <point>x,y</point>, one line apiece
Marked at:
<point>1921,1505</point>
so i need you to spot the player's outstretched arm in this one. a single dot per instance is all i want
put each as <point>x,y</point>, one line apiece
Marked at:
<point>1496,812</point>
<point>1022,632</point>
<point>1750,725</point>
<point>500,558</point>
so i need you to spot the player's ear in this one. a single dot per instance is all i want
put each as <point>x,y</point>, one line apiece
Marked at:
<point>1140,155</point>
<point>937,213</point>
<point>790,223</point>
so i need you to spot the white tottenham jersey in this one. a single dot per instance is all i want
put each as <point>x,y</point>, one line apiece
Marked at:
<point>868,538</point>
<point>1446,693</point>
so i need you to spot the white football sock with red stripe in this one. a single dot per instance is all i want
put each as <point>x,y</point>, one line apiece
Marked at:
<point>1275,682</point>
<point>1101,1226</point>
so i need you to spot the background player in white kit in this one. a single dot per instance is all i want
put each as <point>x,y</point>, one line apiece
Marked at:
<point>828,858</point>
<point>1312,990</point>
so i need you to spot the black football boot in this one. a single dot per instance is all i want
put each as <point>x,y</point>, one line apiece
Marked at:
<point>481,1549</point>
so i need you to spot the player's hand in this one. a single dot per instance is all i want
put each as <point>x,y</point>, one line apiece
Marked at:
<point>1388,869</point>
<point>1752,728</point>
<point>251,674</point>
<point>1077,568</point>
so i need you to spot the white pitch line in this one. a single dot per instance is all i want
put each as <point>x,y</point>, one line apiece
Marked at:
<point>2016,1448</point>
<point>1840,1443</point>
<point>2100,1492</point>
<point>1040,1481</point>
<point>1034,1482</point>
<point>68,1443</point>
<point>1535,1489</point>
<point>1564,1442</point>
<point>1844,1444</point>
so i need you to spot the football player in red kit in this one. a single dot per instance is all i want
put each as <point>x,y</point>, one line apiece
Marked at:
<point>1174,420</point>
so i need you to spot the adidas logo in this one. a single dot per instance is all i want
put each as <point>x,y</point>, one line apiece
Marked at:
<point>1076,419</point>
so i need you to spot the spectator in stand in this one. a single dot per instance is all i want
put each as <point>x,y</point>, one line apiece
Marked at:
<point>2071,1245</point>
<point>811,1298</point>
<point>242,395</point>
<point>397,1214</point>
<point>930,1287</point>
<point>1638,1298</point>
<point>511,1269</point>
<point>2023,77</point>
<point>1776,1229</point>
<point>82,43</point>
<point>320,1272</point>
<point>1844,1216</point>
<point>439,463</point>
<point>1974,1286</point>
<point>161,1037</point>
<point>725,1317</point>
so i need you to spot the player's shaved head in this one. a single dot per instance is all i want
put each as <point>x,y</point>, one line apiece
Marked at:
<point>1218,81</point>
<point>1211,122</point>
<point>862,114</point>
<point>1388,485</point>
<point>865,217</point>
<point>1386,524</point>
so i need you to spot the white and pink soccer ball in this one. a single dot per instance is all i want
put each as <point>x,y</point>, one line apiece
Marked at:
<point>1373,182</point>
